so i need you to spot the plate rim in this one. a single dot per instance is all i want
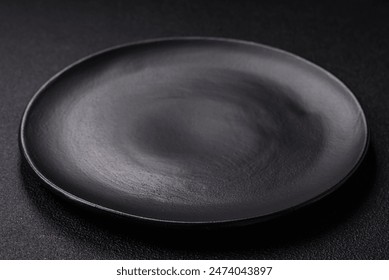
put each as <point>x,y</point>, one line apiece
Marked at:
<point>238,221</point>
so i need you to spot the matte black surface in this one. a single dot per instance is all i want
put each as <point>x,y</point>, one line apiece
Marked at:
<point>194,130</point>
<point>39,38</point>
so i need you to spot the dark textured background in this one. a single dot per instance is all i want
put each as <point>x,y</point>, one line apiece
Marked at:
<point>39,38</point>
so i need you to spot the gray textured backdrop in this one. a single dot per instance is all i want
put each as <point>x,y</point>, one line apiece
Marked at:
<point>39,38</point>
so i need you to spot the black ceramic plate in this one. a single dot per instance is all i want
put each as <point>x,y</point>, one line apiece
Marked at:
<point>194,130</point>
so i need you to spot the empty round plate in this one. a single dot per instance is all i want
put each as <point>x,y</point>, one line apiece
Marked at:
<point>194,131</point>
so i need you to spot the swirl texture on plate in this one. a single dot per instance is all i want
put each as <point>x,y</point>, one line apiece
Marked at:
<point>194,130</point>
